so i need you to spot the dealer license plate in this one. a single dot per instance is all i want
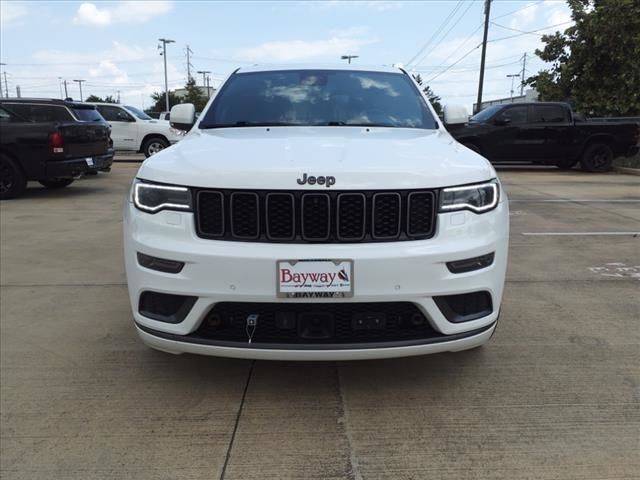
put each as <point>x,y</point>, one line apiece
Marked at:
<point>315,278</point>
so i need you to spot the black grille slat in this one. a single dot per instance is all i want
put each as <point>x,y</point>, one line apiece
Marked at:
<point>386,215</point>
<point>351,216</point>
<point>317,216</point>
<point>421,210</point>
<point>280,222</point>
<point>245,219</point>
<point>211,213</point>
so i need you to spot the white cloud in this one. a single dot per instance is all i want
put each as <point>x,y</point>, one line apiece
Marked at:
<point>296,50</point>
<point>107,69</point>
<point>131,11</point>
<point>11,12</point>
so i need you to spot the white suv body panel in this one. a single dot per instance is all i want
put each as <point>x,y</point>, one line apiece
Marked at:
<point>129,136</point>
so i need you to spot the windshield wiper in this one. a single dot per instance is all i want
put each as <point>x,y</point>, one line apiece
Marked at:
<point>246,123</point>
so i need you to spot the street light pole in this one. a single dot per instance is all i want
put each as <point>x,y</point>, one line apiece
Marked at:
<point>166,81</point>
<point>80,83</point>
<point>512,76</point>
<point>348,57</point>
<point>60,85</point>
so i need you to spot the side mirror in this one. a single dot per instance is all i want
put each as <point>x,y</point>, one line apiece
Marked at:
<point>183,116</point>
<point>455,114</point>
<point>502,121</point>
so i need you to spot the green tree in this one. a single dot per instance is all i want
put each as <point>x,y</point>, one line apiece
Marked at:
<point>160,103</point>
<point>433,98</point>
<point>96,99</point>
<point>194,95</point>
<point>595,63</point>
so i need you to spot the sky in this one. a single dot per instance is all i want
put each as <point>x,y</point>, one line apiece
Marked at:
<point>113,45</point>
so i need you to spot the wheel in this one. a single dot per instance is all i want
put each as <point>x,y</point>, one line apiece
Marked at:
<point>12,180</point>
<point>566,163</point>
<point>154,145</point>
<point>56,183</point>
<point>597,158</point>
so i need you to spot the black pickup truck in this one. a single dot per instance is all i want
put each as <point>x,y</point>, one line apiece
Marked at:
<point>547,133</point>
<point>50,141</point>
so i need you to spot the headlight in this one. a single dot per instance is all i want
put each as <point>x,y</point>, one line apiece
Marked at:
<point>152,197</point>
<point>478,198</point>
<point>177,132</point>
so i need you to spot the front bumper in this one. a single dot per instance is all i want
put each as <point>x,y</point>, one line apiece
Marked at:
<point>78,166</point>
<point>408,271</point>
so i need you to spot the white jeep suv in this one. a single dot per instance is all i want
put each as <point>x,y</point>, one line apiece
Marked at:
<point>315,214</point>
<point>134,130</point>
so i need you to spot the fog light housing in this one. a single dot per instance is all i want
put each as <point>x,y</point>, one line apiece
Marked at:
<point>165,307</point>
<point>465,307</point>
<point>160,264</point>
<point>471,264</point>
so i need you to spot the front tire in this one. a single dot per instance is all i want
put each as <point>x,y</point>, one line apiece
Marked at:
<point>12,179</point>
<point>154,145</point>
<point>56,183</point>
<point>597,158</point>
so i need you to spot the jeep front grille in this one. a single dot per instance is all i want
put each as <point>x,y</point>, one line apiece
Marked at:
<point>315,216</point>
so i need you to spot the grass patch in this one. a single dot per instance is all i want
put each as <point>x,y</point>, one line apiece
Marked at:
<point>629,162</point>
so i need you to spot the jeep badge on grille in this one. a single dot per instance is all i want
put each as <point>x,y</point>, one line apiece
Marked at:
<point>321,180</point>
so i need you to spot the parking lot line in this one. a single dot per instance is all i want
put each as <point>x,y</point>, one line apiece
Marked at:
<point>570,200</point>
<point>584,234</point>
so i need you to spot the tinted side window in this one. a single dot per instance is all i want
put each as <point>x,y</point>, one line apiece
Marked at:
<point>110,114</point>
<point>7,117</point>
<point>516,115</point>
<point>41,113</point>
<point>88,114</point>
<point>548,114</point>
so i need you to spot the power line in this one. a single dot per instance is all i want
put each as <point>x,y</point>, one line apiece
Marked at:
<point>437,32</point>
<point>526,33</point>
<point>445,35</point>
<point>519,9</point>
<point>455,63</point>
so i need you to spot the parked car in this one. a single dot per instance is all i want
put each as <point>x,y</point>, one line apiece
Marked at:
<point>165,116</point>
<point>315,214</point>
<point>547,133</point>
<point>134,130</point>
<point>49,141</point>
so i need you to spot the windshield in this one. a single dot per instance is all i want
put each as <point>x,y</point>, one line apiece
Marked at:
<point>319,98</point>
<point>138,113</point>
<point>88,114</point>
<point>485,114</point>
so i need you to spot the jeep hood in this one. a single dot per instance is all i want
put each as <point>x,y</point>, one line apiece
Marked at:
<point>358,158</point>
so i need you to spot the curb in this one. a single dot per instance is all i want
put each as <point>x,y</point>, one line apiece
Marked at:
<point>628,170</point>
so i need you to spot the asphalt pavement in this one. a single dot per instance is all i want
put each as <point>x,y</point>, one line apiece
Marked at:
<point>554,395</point>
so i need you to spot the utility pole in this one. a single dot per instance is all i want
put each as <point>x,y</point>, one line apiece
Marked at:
<point>166,81</point>
<point>348,58</point>
<point>6,85</point>
<point>66,94</point>
<point>79,82</point>
<point>118,96</point>
<point>18,91</point>
<point>208,88</point>
<point>189,66</point>
<point>524,66</point>
<point>204,80</point>
<point>512,76</point>
<point>487,11</point>
<point>60,85</point>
